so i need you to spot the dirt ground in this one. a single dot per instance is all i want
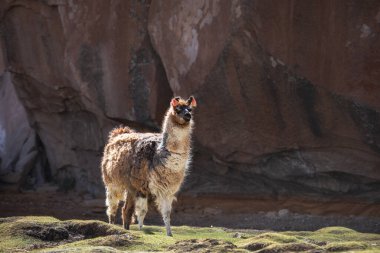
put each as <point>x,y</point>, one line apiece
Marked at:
<point>205,211</point>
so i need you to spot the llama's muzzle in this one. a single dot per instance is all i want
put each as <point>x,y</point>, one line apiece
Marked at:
<point>187,116</point>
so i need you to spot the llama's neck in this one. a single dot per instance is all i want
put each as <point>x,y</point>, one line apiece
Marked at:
<point>176,137</point>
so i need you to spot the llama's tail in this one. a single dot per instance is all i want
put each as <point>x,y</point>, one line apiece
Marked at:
<point>120,130</point>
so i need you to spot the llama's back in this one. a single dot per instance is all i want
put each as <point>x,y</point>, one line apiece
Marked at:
<point>120,130</point>
<point>127,157</point>
<point>110,161</point>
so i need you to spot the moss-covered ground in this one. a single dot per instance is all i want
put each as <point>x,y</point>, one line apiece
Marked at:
<point>47,234</point>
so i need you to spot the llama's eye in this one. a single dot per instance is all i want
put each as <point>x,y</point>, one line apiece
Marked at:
<point>178,110</point>
<point>189,109</point>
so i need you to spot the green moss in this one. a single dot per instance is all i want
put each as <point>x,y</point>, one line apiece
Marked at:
<point>276,242</point>
<point>278,237</point>
<point>254,244</point>
<point>288,247</point>
<point>35,232</point>
<point>114,242</point>
<point>340,234</point>
<point>326,239</point>
<point>345,246</point>
<point>91,228</point>
<point>13,231</point>
<point>336,231</point>
<point>47,234</point>
<point>84,249</point>
<point>154,238</point>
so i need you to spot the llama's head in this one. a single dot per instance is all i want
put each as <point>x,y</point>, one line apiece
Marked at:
<point>182,110</point>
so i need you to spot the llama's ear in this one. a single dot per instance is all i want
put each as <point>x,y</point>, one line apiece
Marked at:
<point>175,101</point>
<point>192,102</point>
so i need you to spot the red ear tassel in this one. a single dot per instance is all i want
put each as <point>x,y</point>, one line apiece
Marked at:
<point>193,102</point>
<point>174,102</point>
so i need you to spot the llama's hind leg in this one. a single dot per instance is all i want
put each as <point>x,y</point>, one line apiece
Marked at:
<point>128,210</point>
<point>141,209</point>
<point>165,207</point>
<point>112,203</point>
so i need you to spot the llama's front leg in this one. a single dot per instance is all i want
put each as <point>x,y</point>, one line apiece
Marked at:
<point>141,210</point>
<point>112,204</point>
<point>165,206</point>
<point>128,209</point>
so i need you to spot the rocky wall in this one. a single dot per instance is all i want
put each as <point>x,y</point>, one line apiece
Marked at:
<point>287,90</point>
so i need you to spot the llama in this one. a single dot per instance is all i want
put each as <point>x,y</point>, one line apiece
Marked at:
<point>136,166</point>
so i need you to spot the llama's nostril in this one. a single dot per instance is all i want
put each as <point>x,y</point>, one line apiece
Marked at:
<point>187,116</point>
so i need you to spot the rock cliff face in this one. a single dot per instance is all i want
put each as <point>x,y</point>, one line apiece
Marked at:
<point>287,90</point>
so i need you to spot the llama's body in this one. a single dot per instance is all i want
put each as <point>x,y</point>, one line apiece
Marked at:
<point>138,165</point>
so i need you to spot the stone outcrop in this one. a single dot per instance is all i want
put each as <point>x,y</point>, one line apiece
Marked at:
<point>18,146</point>
<point>287,90</point>
<point>79,71</point>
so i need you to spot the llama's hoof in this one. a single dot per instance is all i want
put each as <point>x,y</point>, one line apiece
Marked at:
<point>169,234</point>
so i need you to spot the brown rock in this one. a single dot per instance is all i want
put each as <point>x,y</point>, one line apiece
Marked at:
<point>78,73</point>
<point>287,91</point>
<point>187,27</point>
<point>17,138</point>
<point>275,91</point>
